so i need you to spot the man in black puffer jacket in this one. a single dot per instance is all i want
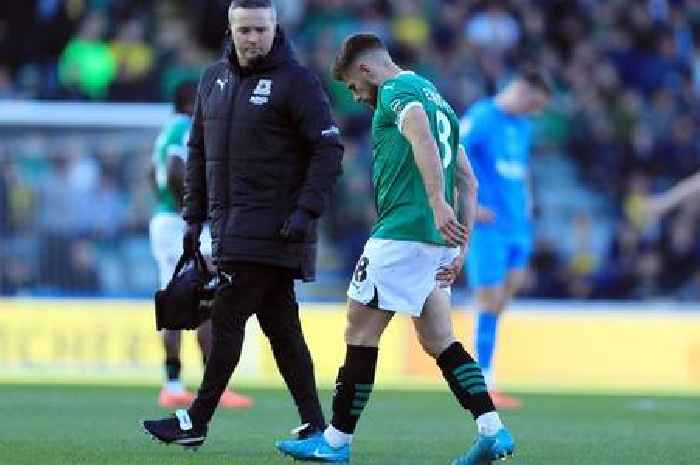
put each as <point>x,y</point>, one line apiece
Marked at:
<point>263,157</point>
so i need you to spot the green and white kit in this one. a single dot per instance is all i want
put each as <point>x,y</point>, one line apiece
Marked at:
<point>167,227</point>
<point>398,266</point>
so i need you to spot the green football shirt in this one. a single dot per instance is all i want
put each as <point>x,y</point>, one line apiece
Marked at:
<point>403,211</point>
<point>171,142</point>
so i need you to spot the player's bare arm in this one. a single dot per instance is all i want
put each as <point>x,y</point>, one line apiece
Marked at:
<point>466,189</point>
<point>416,129</point>
<point>176,178</point>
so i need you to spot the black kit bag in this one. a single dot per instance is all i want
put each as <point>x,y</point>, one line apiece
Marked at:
<point>185,302</point>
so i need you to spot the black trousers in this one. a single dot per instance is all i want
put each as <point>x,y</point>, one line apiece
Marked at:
<point>267,292</point>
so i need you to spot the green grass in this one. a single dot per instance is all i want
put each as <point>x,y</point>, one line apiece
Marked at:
<point>59,424</point>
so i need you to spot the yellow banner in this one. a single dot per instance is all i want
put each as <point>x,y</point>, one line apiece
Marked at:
<point>115,341</point>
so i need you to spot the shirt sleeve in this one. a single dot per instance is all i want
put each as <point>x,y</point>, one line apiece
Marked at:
<point>311,115</point>
<point>195,197</point>
<point>396,98</point>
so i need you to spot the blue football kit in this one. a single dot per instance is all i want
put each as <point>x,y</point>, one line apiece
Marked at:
<point>497,144</point>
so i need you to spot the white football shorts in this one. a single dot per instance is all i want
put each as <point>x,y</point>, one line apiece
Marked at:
<point>398,276</point>
<point>166,231</point>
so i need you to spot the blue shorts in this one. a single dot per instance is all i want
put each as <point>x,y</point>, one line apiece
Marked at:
<point>493,253</point>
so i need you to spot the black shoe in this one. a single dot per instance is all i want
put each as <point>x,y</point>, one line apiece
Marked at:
<point>176,429</point>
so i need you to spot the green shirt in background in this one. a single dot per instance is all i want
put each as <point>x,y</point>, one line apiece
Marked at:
<point>171,142</point>
<point>88,65</point>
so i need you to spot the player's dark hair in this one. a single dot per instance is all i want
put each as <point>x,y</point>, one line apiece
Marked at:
<point>352,47</point>
<point>251,4</point>
<point>185,93</point>
<point>537,78</point>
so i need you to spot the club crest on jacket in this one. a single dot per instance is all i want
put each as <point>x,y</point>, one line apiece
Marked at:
<point>262,90</point>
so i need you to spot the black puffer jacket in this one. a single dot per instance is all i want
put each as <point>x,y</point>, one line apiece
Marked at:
<point>262,144</point>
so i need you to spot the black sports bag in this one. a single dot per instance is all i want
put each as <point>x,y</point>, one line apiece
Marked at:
<point>184,303</point>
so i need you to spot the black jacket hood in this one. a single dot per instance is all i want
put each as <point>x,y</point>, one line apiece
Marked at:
<point>280,53</point>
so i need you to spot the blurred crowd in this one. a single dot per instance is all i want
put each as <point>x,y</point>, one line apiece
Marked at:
<point>74,210</point>
<point>623,123</point>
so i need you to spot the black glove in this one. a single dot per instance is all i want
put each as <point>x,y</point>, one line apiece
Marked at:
<point>190,243</point>
<point>297,225</point>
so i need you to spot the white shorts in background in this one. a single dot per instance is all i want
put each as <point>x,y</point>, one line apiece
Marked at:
<point>398,276</point>
<point>166,231</point>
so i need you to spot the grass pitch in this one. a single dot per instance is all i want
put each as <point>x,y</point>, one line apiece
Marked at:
<point>63,424</point>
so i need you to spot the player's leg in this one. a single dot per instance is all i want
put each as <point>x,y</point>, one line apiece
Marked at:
<point>517,257</point>
<point>382,280</point>
<point>487,270</point>
<point>166,244</point>
<point>353,387</point>
<point>435,333</point>
<point>355,379</point>
<point>173,393</point>
<point>279,320</point>
<point>385,278</point>
<point>490,303</point>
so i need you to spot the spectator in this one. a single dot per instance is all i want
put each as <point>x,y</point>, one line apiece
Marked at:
<point>86,65</point>
<point>493,28</point>
<point>6,85</point>
<point>135,60</point>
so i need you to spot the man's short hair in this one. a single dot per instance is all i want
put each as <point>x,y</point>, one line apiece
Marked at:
<point>351,48</point>
<point>537,78</point>
<point>251,4</point>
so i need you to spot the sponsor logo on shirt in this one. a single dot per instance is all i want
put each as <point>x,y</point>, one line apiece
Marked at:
<point>511,169</point>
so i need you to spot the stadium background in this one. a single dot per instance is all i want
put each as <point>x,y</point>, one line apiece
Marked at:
<point>623,123</point>
<point>84,86</point>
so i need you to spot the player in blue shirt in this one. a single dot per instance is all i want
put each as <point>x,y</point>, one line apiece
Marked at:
<point>497,135</point>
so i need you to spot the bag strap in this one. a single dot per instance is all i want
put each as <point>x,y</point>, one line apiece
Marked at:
<point>199,263</point>
<point>180,264</point>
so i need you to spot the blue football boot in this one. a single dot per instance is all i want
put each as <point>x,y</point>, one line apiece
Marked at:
<point>314,448</point>
<point>486,449</point>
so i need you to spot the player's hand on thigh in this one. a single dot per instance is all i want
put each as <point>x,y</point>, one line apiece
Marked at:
<point>447,275</point>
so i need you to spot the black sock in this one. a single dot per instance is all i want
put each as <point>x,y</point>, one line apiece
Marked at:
<point>353,387</point>
<point>172,369</point>
<point>464,377</point>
